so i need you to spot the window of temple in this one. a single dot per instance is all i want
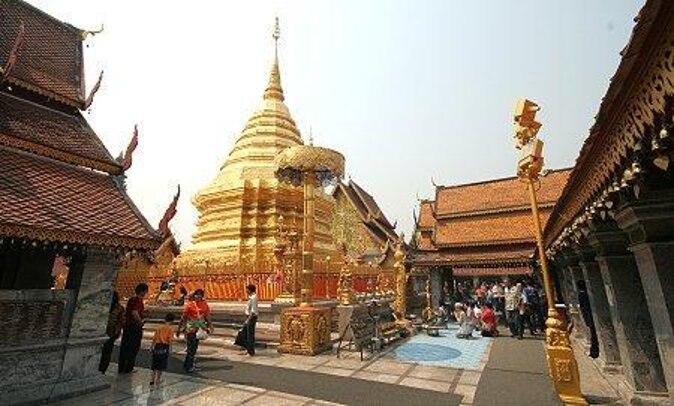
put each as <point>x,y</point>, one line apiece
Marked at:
<point>25,265</point>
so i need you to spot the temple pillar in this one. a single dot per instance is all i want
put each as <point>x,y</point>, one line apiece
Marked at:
<point>609,355</point>
<point>629,311</point>
<point>435,274</point>
<point>650,227</point>
<point>571,273</point>
<point>87,329</point>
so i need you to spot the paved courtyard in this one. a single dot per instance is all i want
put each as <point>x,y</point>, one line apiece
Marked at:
<point>420,370</point>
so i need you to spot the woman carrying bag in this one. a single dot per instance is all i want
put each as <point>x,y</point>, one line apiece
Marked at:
<point>196,324</point>
<point>246,336</point>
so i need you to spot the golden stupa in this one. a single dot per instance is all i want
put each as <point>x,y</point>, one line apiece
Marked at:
<point>241,209</point>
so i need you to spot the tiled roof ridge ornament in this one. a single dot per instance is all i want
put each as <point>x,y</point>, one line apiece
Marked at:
<point>85,33</point>
<point>274,89</point>
<point>94,90</point>
<point>14,53</point>
<point>170,212</point>
<point>127,161</point>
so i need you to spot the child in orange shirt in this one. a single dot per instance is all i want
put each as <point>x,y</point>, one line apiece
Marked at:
<point>161,348</point>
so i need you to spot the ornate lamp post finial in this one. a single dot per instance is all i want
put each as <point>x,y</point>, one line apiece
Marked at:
<point>562,364</point>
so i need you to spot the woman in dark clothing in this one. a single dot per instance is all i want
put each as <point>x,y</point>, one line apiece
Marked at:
<point>246,336</point>
<point>113,331</point>
<point>133,330</point>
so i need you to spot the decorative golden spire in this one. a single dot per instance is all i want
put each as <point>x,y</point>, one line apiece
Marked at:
<point>274,90</point>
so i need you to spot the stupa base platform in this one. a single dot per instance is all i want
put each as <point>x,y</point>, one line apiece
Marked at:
<point>306,330</point>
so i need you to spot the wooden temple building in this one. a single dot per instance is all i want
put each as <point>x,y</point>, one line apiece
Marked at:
<point>613,226</point>
<point>61,196</point>
<point>479,231</point>
<point>248,222</point>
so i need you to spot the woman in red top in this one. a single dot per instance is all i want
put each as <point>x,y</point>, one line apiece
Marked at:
<point>488,317</point>
<point>196,316</point>
<point>133,330</point>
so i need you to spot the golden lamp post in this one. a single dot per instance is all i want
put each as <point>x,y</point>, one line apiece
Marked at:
<point>306,329</point>
<point>562,365</point>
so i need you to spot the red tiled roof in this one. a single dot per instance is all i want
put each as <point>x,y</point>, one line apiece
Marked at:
<point>496,195</point>
<point>515,255</point>
<point>44,199</point>
<point>425,241</point>
<point>490,228</point>
<point>426,218</point>
<point>50,59</point>
<point>28,123</point>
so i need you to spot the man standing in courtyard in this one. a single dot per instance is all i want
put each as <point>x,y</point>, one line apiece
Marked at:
<point>133,330</point>
<point>196,320</point>
<point>512,307</point>
<point>246,336</point>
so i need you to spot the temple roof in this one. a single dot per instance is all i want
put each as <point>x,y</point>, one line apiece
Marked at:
<point>60,135</point>
<point>496,195</point>
<point>426,215</point>
<point>49,61</point>
<point>55,173</point>
<point>635,92</point>
<point>478,256</point>
<point>44,199</point>
<point>483,224</point>
<point>371,215</point>
<point>508,227</point>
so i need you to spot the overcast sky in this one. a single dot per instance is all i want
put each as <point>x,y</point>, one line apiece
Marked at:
<point>408,91</point>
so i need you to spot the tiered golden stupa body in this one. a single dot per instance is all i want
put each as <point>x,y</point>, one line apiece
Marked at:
<point>240,210</point>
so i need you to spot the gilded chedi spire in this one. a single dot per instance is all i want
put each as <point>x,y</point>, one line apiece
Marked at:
<point>274,89</point>
<point>239,209</point>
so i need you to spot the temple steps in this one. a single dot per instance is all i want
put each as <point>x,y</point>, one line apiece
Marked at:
<point>266,334</point>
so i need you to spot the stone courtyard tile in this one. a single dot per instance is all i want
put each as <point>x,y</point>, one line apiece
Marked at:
<point>264,360</point>
<point>333,371</point>
<point>374,376</point>
<point>195,397</point>
<point>104,397</point>
<point>352,364</point>
<point>219,396</point>
<point>323,403</point>
<point>295,364</point>
<point>435,373</point>
<point>467,391</point>
<point>245,388</point>
<point>304,359</point>
<point>389,367</point>
<point>439,386</point>
<point>277,399</point>
<point>469,378</point>
<point>165,394</point>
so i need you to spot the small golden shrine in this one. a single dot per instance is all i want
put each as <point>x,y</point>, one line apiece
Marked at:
<point>240,210</point>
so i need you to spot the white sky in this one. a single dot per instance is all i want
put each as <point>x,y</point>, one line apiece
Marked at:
<point>406,90</point>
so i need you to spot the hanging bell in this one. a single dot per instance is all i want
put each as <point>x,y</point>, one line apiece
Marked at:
<point>661,161</point>
<point>655,144</point>
<point>664,133</point>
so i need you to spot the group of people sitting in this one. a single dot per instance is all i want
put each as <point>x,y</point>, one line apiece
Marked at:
<point>520,304</point>
<point>470,317</point>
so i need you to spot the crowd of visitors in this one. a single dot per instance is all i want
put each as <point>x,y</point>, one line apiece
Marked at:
<point>521,305</point>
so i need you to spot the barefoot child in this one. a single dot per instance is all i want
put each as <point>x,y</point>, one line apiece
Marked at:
<point>161,348</point>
